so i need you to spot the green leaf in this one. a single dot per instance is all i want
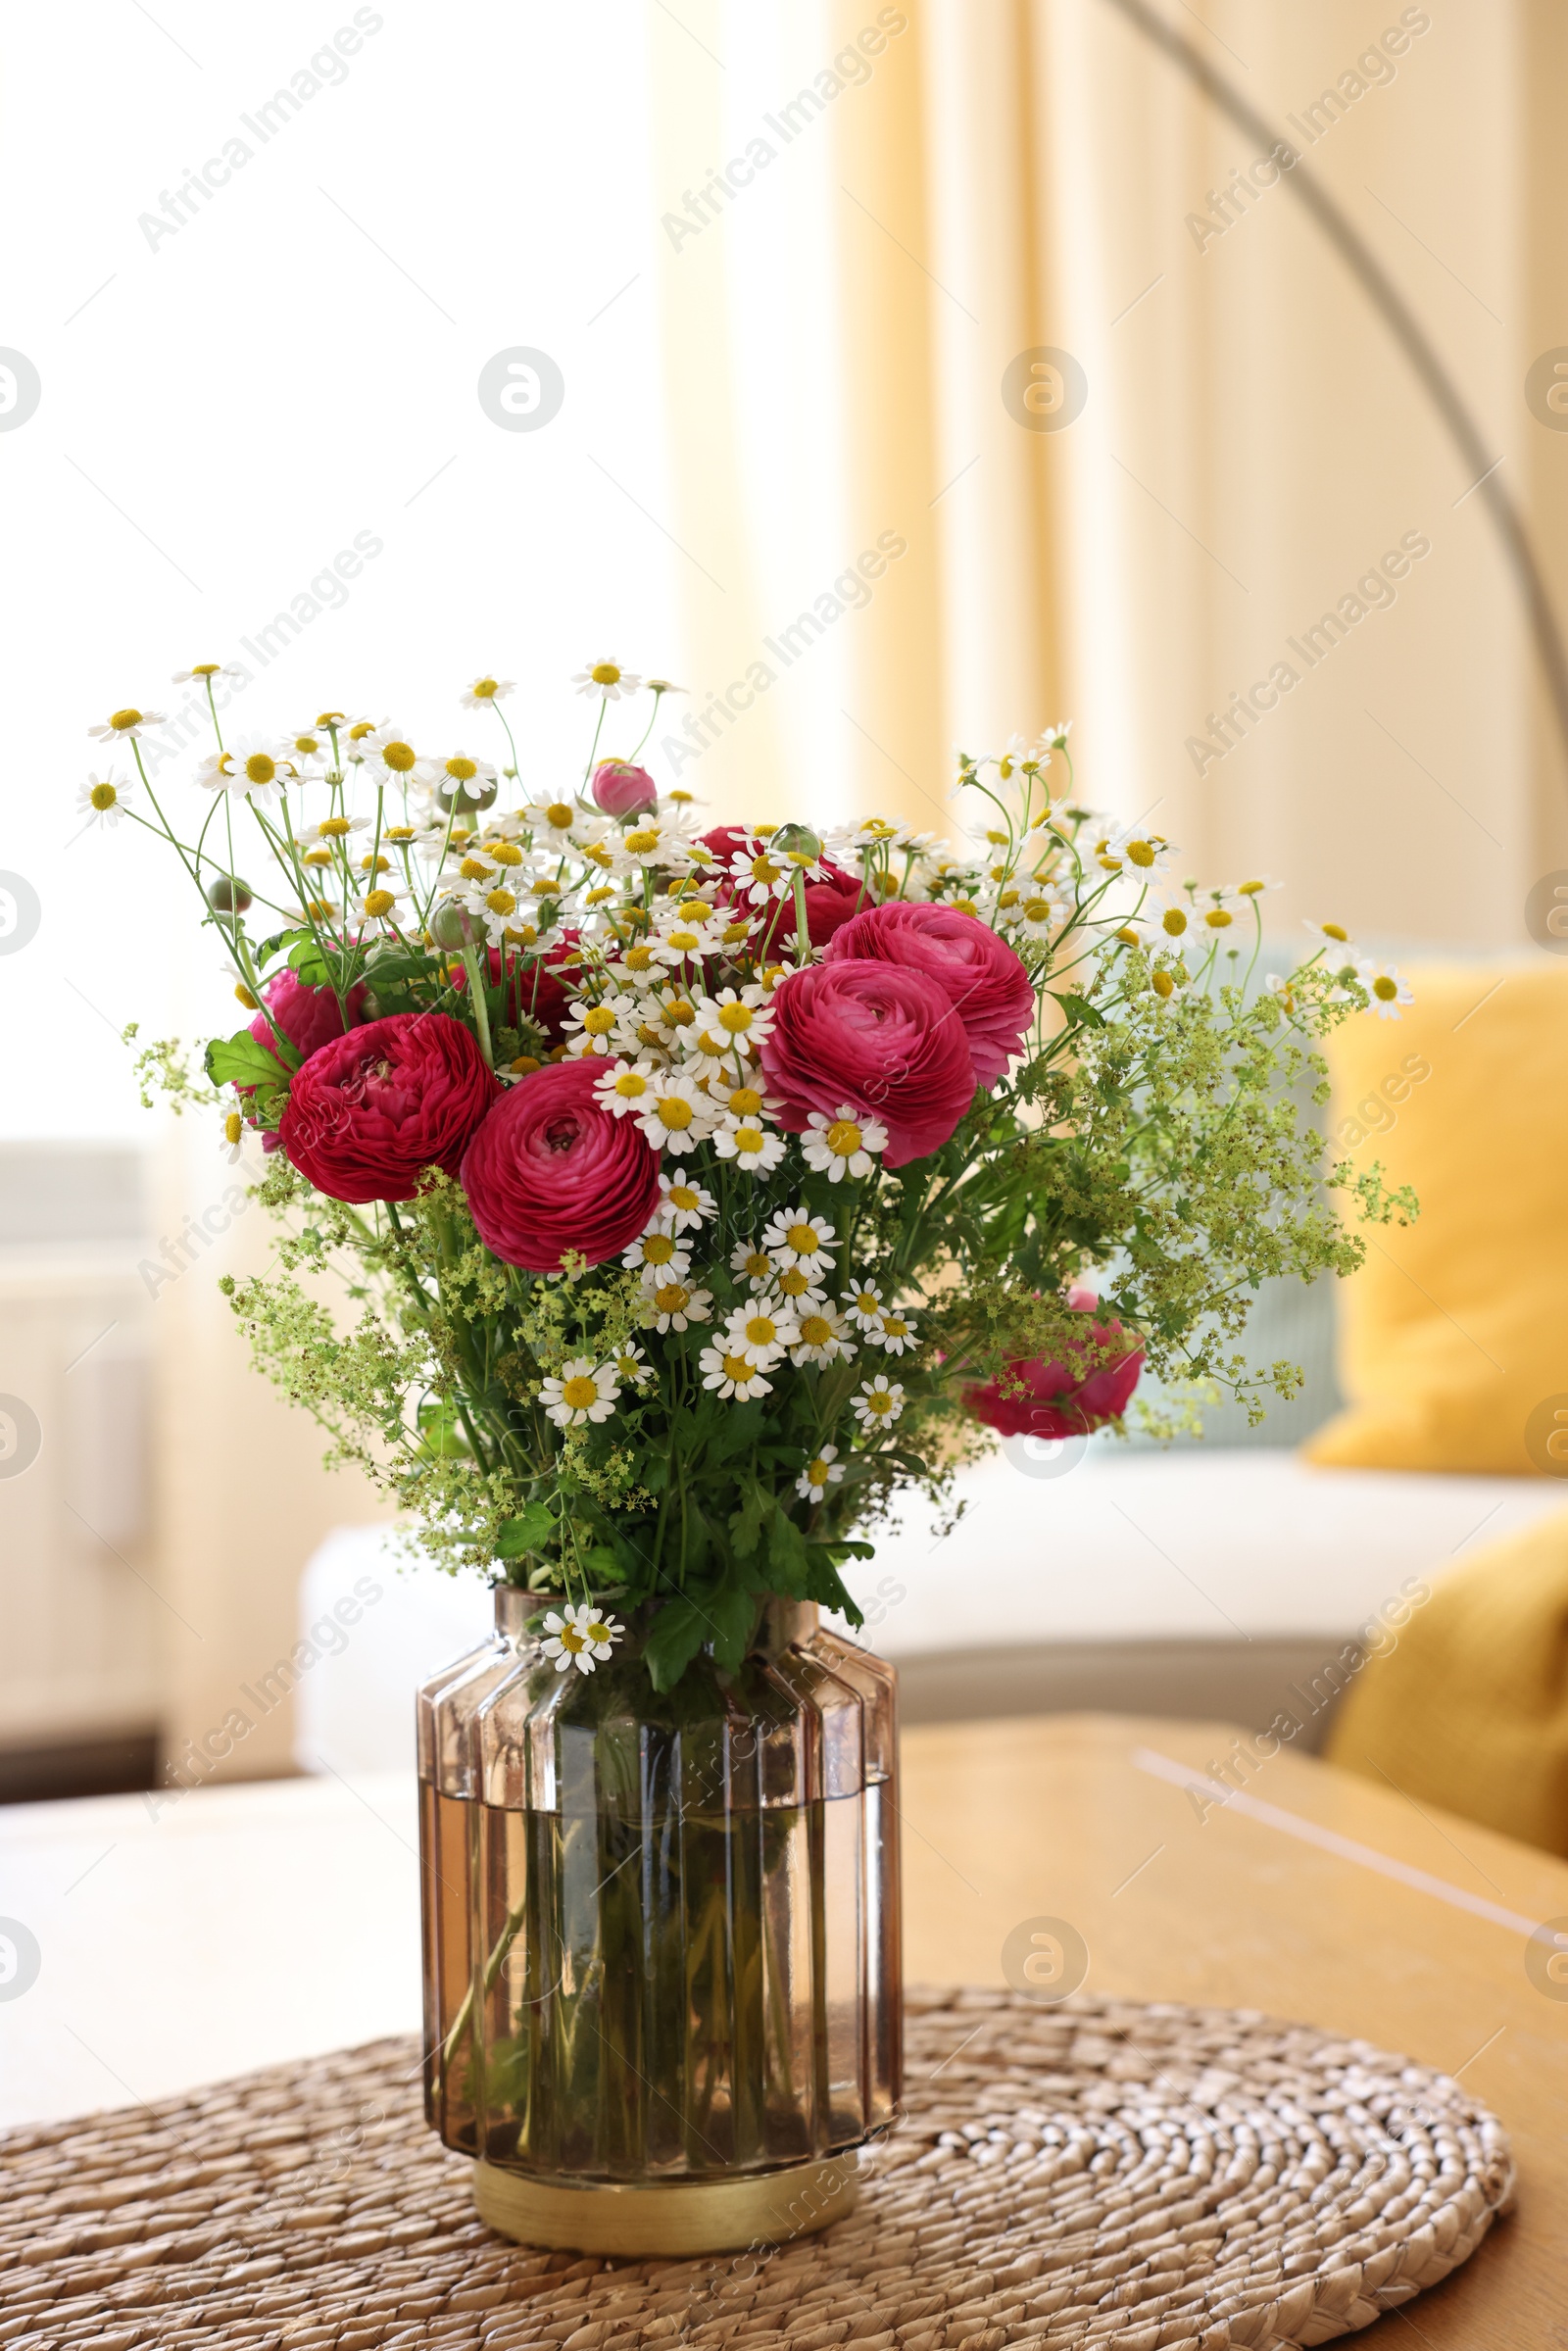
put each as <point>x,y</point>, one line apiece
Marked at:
<point>1079,1008</point>
<point>746,1523</point>
<point>824,1583</point>
<point>679,1633</point>
<point>530,1530</point>
<point>787,1555</point>
<point>732,1612</point>
<point>241,1060</point>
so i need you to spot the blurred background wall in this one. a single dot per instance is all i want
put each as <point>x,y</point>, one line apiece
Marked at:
<point>795,266</point>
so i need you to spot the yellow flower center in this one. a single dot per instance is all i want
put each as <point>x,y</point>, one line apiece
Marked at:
<point>1173,921</point>
<point>760,1330</point>
<point>571,1640</point>
<point>758,1264</point>
<point>879,1401</point>
<point>597,1629</point>
<point>658,1249</point>
<point>737,1369</point>
<point>318,909</point>
<point>259,768</point>
<point>1038,910</point>
<point>867,1301</point>
<point>687,940</point>
<point>399,756</point>
<point>736,1019</point>
<point>1164,984</point>
<point>817,1472</point>
<point>400,832</point>
<point>360,729</point>
<point>330,717</point>
<point>579,1394</point>
<point>639,959</point>
<point>748,1141</point>
<point>1141,853</point>
<point>842,1138</point>
<point>120,720</point>
<point>1385,989</point>
<point>462,770</point>
<point>205,668</point>
<point>1332,930</point>
<point>233,1124</point>
<point>485,688</point>
<point>332,828</point>
<point>103,796</point>
<point>502,902</point>
<point>1250,889</point>
<point>605,674</point>
<point>802,1239</point>
<point>597,898</point>
<point>246,1000</point>
<point>307,746</point>
<point>1218,919</point>
<point>894,1325</point>
<point>684,1198</point>
<point>559,814</point>
<point>502,853</point>
<point>673,1297</point>
<point>746,1101</point>
<point>374,864</point>
<point>795,1284</point>
<point>734,932</point>
<point>317,857</point>
<point>815,1329</point>
<point>765,870</point>
<point>675,1112</point>
<point>526,1063</point>
<point>599,1020</point>
<point>643,840</point>
<point>630,1084</point>
<point>379,903</point>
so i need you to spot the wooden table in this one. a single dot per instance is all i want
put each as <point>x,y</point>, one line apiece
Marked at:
<point>247,1925</point>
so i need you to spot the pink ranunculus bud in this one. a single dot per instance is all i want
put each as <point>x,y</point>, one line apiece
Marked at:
<point>1064,1399</point>
<point>622,790</point>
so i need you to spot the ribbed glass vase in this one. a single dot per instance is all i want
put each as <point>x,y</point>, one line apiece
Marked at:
<point>660,1931</point>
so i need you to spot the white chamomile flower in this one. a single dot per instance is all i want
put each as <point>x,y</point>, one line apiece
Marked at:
<point>821,1336</point>
<point>1333,934</point>
<point>240,984</point>
<point>656,840</point>
<point>742,1106</point>
<point>824,1469</point>
<point>596,1024</point>
<point>687,931</point>
<point>124,726</point>
<point>254,764</point>
<point>379,905</point>
<point>391,758</point>
<point>1389,990</point>
<point>200,671</point>
<point>558,824</point>
<point>732,1374</point>
<point>893,1331</point>
<point>878,1404</point>
<point>736,1020</point>
<point>843,1145</point>
<point>683,1206</point>
<point>798,1237</point>
<point>756,877</point>
<point>234,1125</point>
<point>584,1391</point>
<point>483,692</point>
<point>678,1304</point>
<point>463,773</point>
<point>797,1284</point>
<point>752,1148</point>
<point>1039,914</point>
<point>359,736</point>
<point>678,1116</point>
<point>660,1250</point>
<point>496,908</point>
<point>102,797</point>
<point>631,1364</point>
<point>865,1307</point>
<point>763,1329</point>
<point>637,965</point>
<point>579,1637</point>
<point>750,1259</point>
<point>605,681</point>
<point>625,1088</point>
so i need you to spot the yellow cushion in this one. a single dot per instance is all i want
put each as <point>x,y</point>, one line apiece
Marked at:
<point>1453,1337</point>
<point>1469,1708</point>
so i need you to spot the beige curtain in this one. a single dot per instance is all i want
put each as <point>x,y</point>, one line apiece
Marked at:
<point>1252,453</point>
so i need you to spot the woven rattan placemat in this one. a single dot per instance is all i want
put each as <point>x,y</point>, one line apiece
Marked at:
<point>1099,2172</point>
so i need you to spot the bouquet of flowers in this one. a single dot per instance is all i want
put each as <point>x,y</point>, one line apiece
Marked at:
<point>690,1192</point>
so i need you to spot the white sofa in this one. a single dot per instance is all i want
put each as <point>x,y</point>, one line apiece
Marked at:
<point>1197,1583</point>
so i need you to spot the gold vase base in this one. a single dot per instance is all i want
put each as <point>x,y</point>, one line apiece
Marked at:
<point>671,2217</point>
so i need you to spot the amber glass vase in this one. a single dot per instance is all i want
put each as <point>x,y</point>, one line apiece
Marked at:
<point>661,1970</point>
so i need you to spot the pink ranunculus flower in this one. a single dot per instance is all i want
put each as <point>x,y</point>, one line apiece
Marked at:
<point>308,1017</point>
<point>622,790</point>
<point>878,1037</point>
<point>371,1112</point>
<point>551,1171</point>
<point>985,983</point>
<point>1064,1399</point>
